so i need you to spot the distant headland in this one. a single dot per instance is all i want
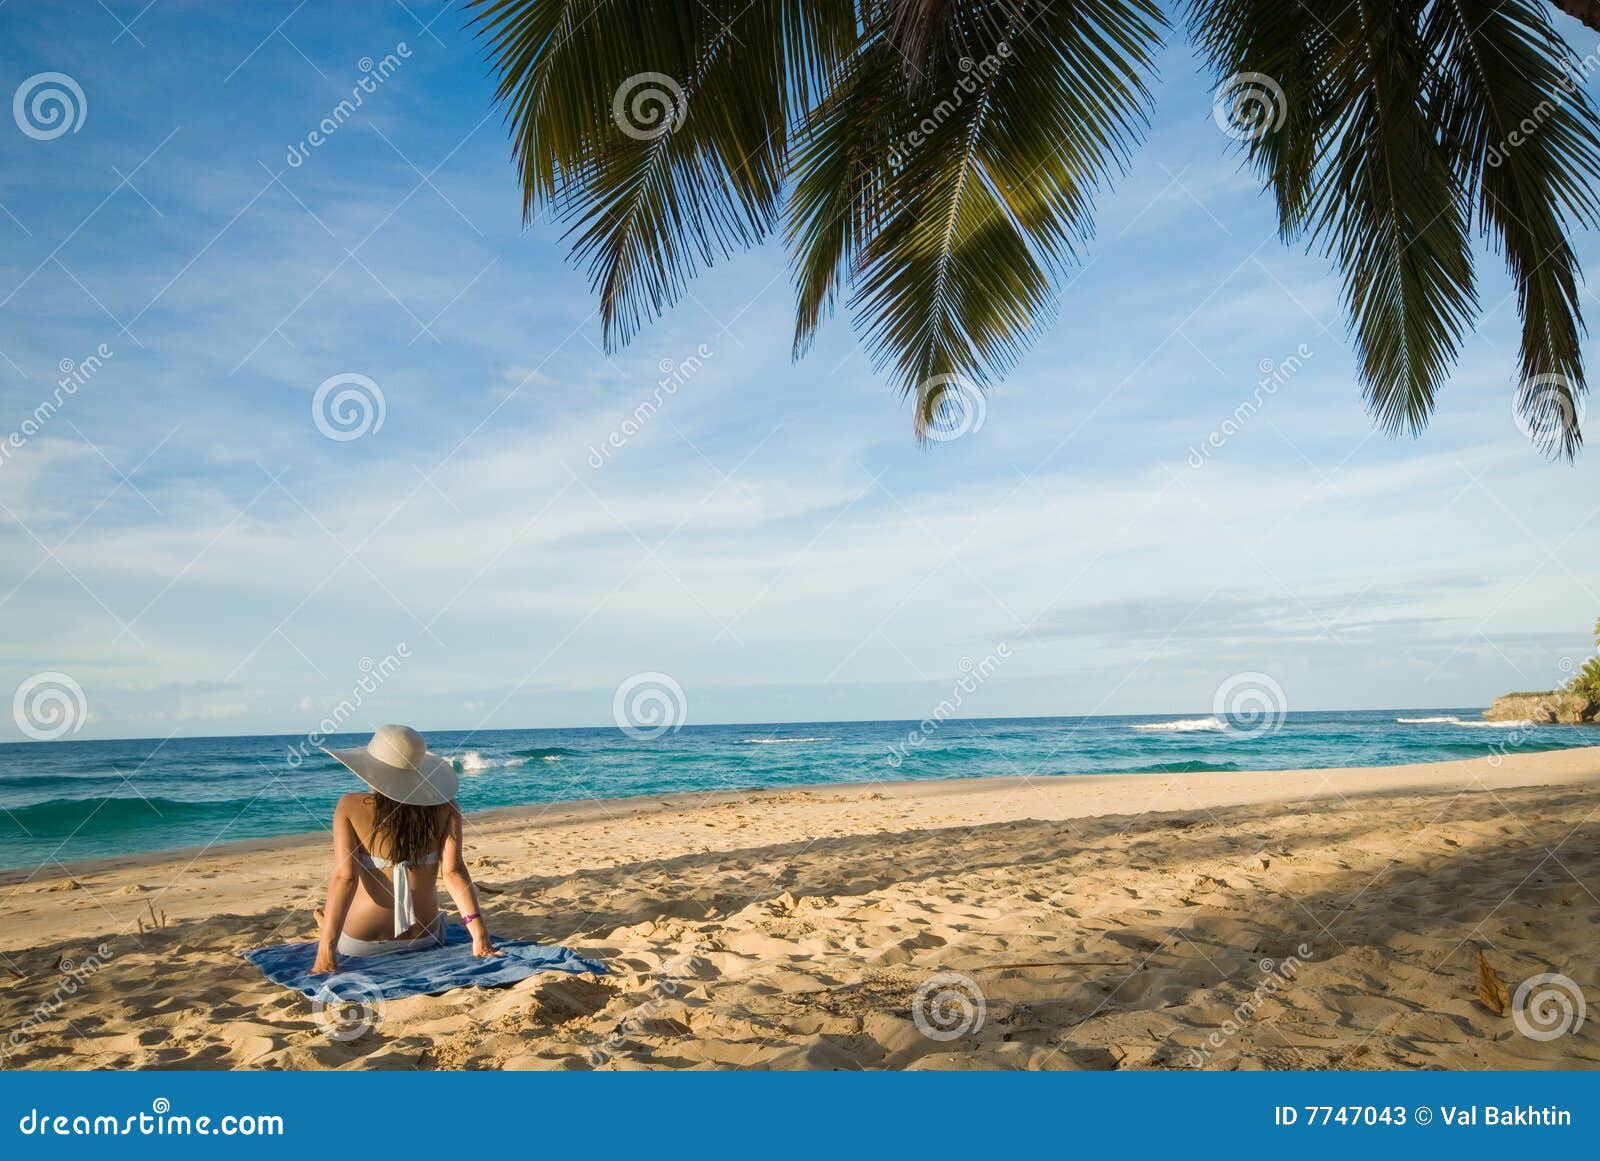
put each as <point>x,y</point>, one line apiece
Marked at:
<point>1575,703</point>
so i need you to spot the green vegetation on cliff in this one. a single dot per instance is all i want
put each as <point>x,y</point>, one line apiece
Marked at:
<point>1587,681</point>
<point>1577,701</point>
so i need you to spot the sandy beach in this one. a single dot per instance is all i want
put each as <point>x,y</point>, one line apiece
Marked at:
<point>1304,919</point>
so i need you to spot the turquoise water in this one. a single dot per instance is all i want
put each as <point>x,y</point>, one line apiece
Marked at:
<point>61,801</point>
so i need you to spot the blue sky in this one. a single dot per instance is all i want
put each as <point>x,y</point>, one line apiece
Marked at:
<point>181,539</point>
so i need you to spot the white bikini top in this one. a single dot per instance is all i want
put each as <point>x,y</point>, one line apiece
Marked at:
<point>404,910</point>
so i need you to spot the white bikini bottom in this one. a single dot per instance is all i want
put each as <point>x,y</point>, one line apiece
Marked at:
<point>434,937</point>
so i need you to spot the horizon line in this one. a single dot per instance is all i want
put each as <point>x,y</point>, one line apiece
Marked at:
<point>715,725</point>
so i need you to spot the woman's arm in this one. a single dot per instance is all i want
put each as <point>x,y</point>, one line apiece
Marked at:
<point>458,881</point>
<point>341,891</point>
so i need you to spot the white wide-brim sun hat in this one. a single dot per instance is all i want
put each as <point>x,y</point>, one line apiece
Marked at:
<point>397,764</point>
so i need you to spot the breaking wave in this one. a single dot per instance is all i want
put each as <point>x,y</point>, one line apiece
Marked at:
<point>779,741</point>
<point>1452,720</point>
<point>1183,726</point>
<point>474,762</point>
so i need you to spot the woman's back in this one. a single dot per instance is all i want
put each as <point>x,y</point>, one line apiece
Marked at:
<point>393,843</point>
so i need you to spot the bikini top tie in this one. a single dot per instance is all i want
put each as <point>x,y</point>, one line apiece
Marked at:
<point>404,909</point>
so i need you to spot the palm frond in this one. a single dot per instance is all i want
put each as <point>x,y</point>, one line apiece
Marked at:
<point>1272,62</point>
<point>1354,157</point>
<point>940,160</point>
<point>1023,111</point>
<point>839,160</point>
<point>1527,147</point>
<point>1390,215</point>
<point>657,128</point>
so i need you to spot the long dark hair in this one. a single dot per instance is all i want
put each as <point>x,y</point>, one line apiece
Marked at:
<point>407,832</point>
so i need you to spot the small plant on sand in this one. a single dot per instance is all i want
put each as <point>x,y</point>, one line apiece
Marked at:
<point>157,922</point>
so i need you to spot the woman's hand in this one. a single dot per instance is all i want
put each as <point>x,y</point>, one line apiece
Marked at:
<point>327,961</point>
<point>483,949</point>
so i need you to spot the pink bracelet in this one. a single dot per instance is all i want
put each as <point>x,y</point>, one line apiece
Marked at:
<point>466,920</point>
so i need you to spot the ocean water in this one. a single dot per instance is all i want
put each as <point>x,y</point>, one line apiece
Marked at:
<point>61,801</point>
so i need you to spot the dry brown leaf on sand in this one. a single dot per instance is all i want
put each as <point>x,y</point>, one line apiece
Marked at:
<point>1492,992</point>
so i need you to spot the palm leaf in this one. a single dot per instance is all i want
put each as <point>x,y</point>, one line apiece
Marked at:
<point>941,157</point>
<point>657,128</point>
<point>1357,164</point>
<point>1525,135</point>
<point>1272,60</point>
<point>1022,111</point>
<point>840,160</point>
<point>1390,215</point>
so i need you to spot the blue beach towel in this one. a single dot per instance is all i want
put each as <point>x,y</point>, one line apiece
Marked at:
<point>417,973</point>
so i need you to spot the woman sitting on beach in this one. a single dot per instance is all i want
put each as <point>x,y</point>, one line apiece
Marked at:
<point>390,849</point>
